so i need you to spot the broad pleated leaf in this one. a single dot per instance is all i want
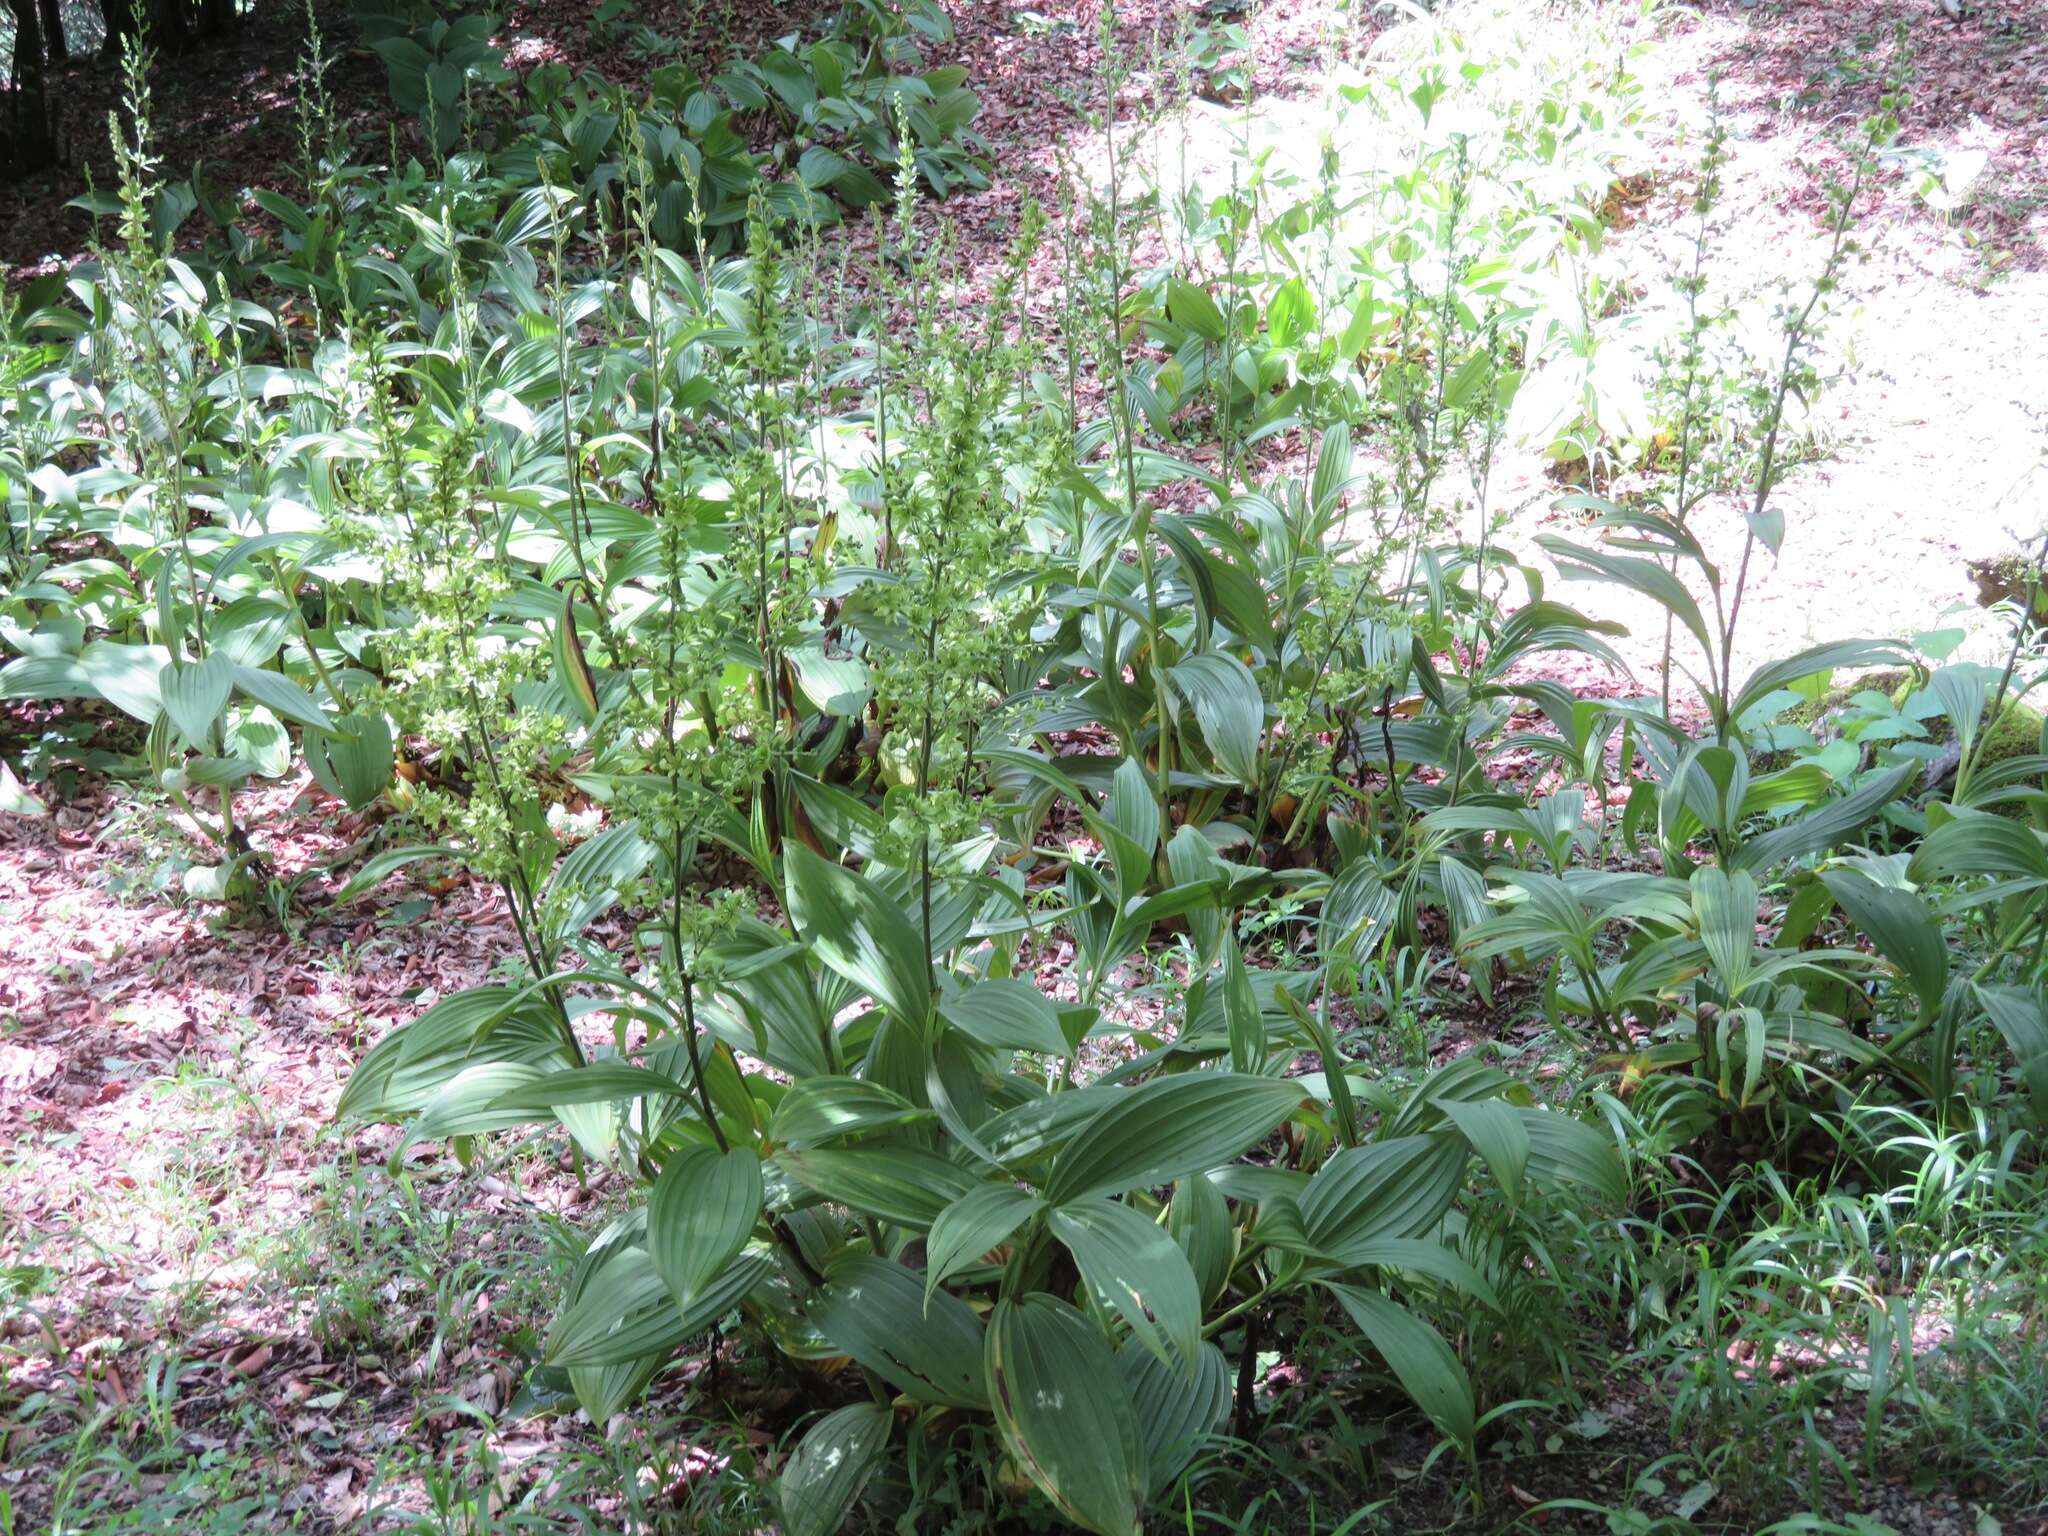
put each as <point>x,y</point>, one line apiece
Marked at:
<point>597,1082</point>
<point>979,1220</point>
<point>281,696</point>
<point>1241,1015</point>
<point>628,1312</point>
<point>1029,1135</point>
<point>353,761</point>
<point>1176,1409</point>
<point>405,1069</point>
<point>1419,1358</point>
<point>2022,1019</point>
<point>1397,1188</point>
<point>1198,1219</point>
<point>374,872</point>
<point>1167,1129</point>
<point>1065,1414</point>
<point>1228,707</point>
<point>1825,825</point>
<point>927,1346</point>
<point>830,1466</point>
<point>194,693</point>
<point>572,668</point>
<point>1008,1015</point>
<point>1131,815</point>
<point>1136,1270</point>
<point>1427,1257</point>
<point>126,676</point>
<point>1980,844</point>
<point>1498,1135</point>
<point>592,877</point>
<point>1900,924</point>
<point>820,1110</point>
<point>1725,907</point>
<point>468,1103</point>
<point>1814,660</point>
<point>1639,575</point>
<point>906,1185</point>
<point>1357,912</point>
<point>1570,1154</point>
<point>860,933</point>
<point>700,1215</point>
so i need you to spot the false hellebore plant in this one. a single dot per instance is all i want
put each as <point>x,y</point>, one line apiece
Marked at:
<point>871,1138</point>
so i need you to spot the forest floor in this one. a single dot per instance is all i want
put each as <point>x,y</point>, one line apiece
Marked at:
<point>218,1308</point>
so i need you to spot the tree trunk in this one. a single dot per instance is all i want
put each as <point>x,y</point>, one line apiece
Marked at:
<point>31,143</point>
<point>168,31</point>
<point>54,44</point>
<point>216,17</point>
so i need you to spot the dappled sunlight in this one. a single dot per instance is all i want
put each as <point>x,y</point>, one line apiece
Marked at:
<point>893,766</point>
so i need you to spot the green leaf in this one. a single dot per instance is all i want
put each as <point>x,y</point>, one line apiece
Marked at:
<point>1167,1129</point>
<point>820,1110</point>
<point>925,1344</point>
<point>1136,1270</point>
<point>1645,576</point>
<point>1191,859</point>
<point>1175,1414</point>
<point>860,933</point>
<point>374,872</point>
<point>281,696</point>
<point>1357,912</point>
<point>1065,1414</point>
<point>1198,1219</point>
<point>830,1466</point>
<point>1192,307</point>
<point>595,1082</point>
<point>46,677</point>
<point>618,1309</point>
<point>983,1218</point>
<point>15,799</point>
<point>1900,924</point>
<point>1419,1358</point>
<point>1980,844</point>
<point>590,880</point>
<point>1228,707</point>
<point>1396,1188</point>
<point>1424,1256</point>
<point>126,676</point>
<point>1241,1014</point>
<point>1816,659</point>
<point>194,693</point>
<point>2022,1019</point>
<point>628,1313</point>
<point>1725,907</point>
<point>700,1215</point>
<point>837,685</point>
<point>355,762</point>
<point>1497,1134</point>
<point>1008,1015</point>
<point>906,1185</point>
<point>1825,825</point>
<point>1131,814</point>
<point>1566,1152</point>
<point>1289,313</point>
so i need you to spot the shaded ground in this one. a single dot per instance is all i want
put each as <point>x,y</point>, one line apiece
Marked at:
<point>211,1297</point>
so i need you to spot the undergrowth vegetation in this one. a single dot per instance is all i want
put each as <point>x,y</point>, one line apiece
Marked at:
<point>1083,771</point>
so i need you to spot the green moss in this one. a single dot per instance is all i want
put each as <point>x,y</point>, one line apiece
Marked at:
<point>1896,683</point>
<point>2015,733</point>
